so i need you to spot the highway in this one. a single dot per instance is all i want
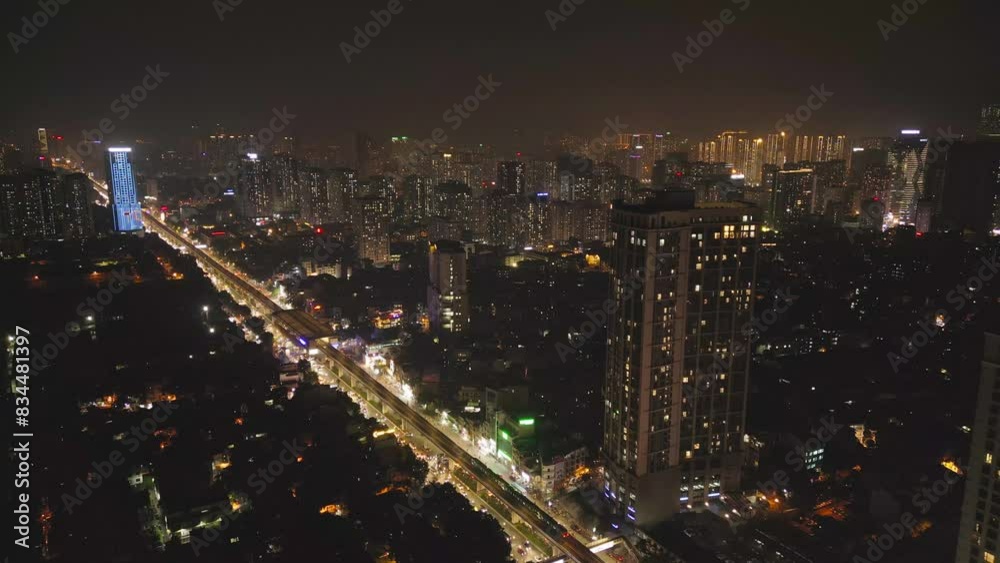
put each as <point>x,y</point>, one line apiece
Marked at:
<point>340,363</point>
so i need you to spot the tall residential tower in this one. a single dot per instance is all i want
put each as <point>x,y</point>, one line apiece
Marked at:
<point>980,522</point>
<point>675,390</point>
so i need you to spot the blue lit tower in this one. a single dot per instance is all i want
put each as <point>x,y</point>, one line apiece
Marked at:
<point>125,210</point>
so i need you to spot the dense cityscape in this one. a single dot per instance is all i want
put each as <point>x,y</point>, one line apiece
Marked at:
<point>302,334</point>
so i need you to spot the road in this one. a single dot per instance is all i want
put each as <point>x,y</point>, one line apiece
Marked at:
<point>521,506</point>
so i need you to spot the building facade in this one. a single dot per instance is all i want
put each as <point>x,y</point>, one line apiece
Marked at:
<point>447,292</point>
<point>371,229</point>
<point>675,390</point>
<point>980,523</point>
<point>126,214</point>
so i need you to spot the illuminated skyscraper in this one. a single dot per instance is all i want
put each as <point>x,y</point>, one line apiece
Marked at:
<point>416,198</point>
<point>876,182</point>
<point>642,150</point>
<point>675,389</point>
<point>126,214</point>
<point>750,160</point>
<point>371,229</point>
<point>776,149</point>
<point>29,205</point>
<point>793,196</point>
<point>907,158</point>
<point>511,178</point>
<point>447,299</point>
<point>74,202</point>
<point>343,188</point>
<point>820,148</point>
<point>254,188</point>
<point>285,182</point>
<point>315,206</point>
<point>708,151</point>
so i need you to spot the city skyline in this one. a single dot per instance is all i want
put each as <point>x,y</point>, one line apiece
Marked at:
<point>693,102</point>
<point>557,281</point>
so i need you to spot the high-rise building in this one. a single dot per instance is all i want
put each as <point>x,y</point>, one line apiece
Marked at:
<point>750,160</point>
<point>74,200</point>
<point>343,190</point>
<point>10,159</point>
<point>989,123</point>
<point>537,220</point>
<point>511,178</point>
<point>831,184</point>
<point>776,149</point>
<point>126,214</point>
<point>314,185</point>
<point>384,187</point>
<point>907,158</point>
<point>453,200</point>
<point>708,151</point>
<point>222,149</point>
<point>284,145</point>
<point>541,176</point>
<point>284,180</point>
<point>417,198</point>
<point>729,146</point>
<point>675,390</point>
<point>254,188</point>
<point>820,148</point>
<point>873,143</point>
<point>447,293</point>
<point>29,205</point>
<point>371,229</point>
<point>980,521</point>
<point>793,196</point>
<point>641,151</point>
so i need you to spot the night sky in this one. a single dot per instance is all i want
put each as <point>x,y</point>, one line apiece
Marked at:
<point>608,58</point>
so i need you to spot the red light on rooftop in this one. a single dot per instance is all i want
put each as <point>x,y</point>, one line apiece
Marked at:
<point>319,230</point>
